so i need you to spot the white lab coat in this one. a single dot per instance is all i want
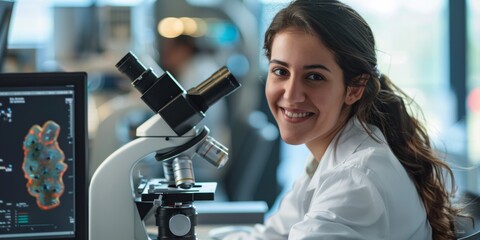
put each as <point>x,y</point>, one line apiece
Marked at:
<point>358,191</point>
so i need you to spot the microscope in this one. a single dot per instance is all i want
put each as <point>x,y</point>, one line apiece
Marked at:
<point>117,208</point>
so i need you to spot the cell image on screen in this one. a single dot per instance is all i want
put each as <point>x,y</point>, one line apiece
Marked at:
<point>37,162</point>
<point>43,164</point>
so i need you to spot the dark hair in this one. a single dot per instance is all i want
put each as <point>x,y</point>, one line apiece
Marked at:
<point>383,104</point>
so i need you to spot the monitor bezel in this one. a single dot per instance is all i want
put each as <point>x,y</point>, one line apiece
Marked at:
<point>79,81</point>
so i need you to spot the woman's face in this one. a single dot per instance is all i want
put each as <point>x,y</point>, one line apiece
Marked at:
<point>305,89</point>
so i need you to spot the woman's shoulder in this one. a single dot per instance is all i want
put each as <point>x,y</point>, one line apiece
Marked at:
<point>379,165</point>
<point>374,158</point>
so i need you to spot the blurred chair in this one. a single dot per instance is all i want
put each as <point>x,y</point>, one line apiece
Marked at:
<point>254,160</point>
<point>469,228</point>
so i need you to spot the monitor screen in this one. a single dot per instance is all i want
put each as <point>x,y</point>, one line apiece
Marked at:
<point>43,153</point>
<point>5,15</point>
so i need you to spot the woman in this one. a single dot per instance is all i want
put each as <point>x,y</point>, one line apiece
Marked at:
<point>373,173</point>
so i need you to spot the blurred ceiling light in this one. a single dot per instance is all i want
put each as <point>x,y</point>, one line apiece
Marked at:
<point>170,27</point>
<point>189,25</point>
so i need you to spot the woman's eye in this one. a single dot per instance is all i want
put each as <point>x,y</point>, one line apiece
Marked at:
<point>279,71</point>
<point>315,77</point>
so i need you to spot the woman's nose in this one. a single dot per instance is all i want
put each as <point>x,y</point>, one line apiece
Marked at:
<point>294,90</point>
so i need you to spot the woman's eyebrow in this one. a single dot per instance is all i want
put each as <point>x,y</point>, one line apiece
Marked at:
<point>279,62</point>
<point>313,66</point>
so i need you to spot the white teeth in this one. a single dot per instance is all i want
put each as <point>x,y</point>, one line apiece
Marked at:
<point>296,115</point>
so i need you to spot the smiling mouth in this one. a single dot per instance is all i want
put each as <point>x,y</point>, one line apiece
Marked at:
<point>296,115</point>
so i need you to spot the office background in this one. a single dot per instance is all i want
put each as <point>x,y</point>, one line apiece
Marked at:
<point>431,49</point>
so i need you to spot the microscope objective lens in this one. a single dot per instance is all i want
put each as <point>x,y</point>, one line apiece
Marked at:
<point>214,152</point>
<point>183,172</point>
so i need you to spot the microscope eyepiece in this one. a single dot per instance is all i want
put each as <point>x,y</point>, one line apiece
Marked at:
<point>141,77</point>
<point>217,86</point>
<point>130,66</point>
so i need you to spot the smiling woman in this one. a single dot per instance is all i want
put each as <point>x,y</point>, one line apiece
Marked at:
<point>372,172</point>
<point>305,90</point>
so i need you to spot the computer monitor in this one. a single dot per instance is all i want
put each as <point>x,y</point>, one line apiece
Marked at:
<point>43,156</point>
<point>5,15</point>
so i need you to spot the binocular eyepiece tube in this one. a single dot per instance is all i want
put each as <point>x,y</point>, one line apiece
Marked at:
<point>181,110</point>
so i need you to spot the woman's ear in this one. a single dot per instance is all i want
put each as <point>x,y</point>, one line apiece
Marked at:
<point>356,89</point>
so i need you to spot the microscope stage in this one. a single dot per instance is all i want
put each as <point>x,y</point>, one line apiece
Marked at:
<point>151,191</point>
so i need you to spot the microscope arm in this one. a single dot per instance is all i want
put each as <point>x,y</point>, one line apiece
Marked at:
<point>113,214</point>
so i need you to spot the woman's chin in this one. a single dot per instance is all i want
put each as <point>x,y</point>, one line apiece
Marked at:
<point>292,140</point>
